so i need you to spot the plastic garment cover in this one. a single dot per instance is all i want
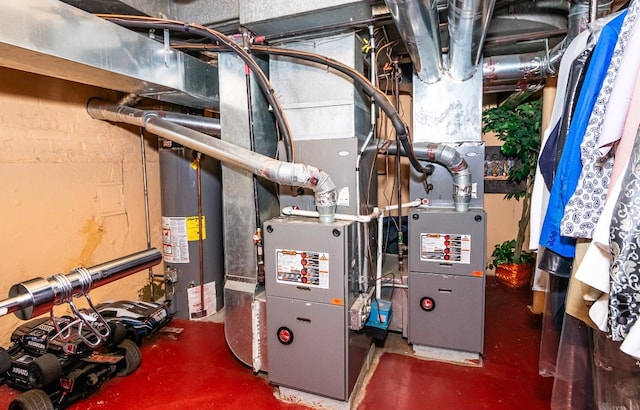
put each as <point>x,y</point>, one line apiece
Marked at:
<point>552,319</point>
<point>616,376</point>
<point>573,386</point>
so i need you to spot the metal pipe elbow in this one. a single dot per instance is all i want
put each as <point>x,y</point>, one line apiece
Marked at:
<point>307,176</point>
<point>449,157</point>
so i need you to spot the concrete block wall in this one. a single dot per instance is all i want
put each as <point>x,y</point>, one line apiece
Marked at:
<point>71,188</point>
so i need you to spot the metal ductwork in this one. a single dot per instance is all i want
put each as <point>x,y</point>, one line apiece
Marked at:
<point>279,172</point>
<point>37,296</point>
<point>417,21</point>
<point>418,25</point>
<point>196,122</point>
<point>54,39</point>
<point>516,67</point>
<point>468,20</point>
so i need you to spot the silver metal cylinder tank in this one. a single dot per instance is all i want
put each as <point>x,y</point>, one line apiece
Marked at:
<point>182,202</point>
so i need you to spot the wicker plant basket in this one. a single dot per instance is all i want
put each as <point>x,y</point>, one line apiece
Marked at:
<point>513,274</point>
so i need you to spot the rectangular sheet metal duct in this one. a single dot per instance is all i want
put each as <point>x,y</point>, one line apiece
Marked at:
<point>54,39</point>
<point>280,19</point>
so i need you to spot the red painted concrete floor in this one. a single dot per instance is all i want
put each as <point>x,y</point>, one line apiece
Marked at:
<point>508,378</point>
<point>196,370</point>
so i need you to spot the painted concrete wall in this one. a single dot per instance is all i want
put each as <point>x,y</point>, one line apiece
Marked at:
<point>71,188</point>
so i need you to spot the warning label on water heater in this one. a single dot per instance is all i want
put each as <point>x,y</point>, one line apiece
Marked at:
<point>302,268</point>
<point>175,244</point>
<point>445,247</point>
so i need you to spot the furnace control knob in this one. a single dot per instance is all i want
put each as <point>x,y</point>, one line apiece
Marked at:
<point>427,304</point>
<point>285,335</point>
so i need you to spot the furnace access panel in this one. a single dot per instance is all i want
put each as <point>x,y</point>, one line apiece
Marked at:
<point>447,257</point>
<point>310,272</point>
<point>307,260</point>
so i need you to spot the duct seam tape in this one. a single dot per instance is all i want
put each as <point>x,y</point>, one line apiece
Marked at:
<point>255,345</point>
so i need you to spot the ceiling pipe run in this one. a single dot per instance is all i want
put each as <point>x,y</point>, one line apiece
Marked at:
<point>417,23</point>
<point>486,16</point>
<point>279,172</point>
<point>531,66</point>
<point>196,122</point>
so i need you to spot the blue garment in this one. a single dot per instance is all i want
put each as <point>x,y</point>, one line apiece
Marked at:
<point>570,166</point>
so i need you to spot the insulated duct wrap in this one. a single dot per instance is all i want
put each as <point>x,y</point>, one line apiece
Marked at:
<point>279,172</point>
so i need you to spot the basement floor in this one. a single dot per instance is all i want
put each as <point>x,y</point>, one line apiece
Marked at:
<point>195,370</point>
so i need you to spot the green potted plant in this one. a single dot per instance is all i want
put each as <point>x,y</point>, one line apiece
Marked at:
<point>518,128</point>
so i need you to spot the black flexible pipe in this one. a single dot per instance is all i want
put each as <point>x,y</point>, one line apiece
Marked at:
<point>209,33</point>
<point>364,83</point>
<point>368,88</point>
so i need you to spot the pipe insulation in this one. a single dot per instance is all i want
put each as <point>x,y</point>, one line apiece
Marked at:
<point>451,159</point>
<point>279,172</point>
<point>37,296</point>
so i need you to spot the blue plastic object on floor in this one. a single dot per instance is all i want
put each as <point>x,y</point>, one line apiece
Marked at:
<point>379,318</point>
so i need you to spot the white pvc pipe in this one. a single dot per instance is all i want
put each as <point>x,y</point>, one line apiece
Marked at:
<point>289,210</point>
<point>377,213</point>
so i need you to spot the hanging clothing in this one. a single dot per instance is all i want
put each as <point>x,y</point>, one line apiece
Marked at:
<point>552,149</point>
<point>576,305</point>
<point>621,93</point>
<point>573,194</point>
<point>569,167</point>
<point>576,80</point>
<point>594,270</point>
<point>582,211</point>
<point>540,193</point>
<point>624,294</point>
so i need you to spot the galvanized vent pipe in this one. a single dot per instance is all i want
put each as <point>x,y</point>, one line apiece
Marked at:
<point>451,159</point>
<point>37,296</point>
<point>466,29</point>
<point>417,22</point>
<point>516,67</point>
<point>279,172</point>
<point>196,122</point>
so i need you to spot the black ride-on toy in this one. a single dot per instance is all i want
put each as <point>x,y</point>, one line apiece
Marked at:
<point>141,319</point>
<point>58,361</point>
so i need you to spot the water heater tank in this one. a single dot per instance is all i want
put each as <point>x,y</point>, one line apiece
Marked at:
<point>180,229</point>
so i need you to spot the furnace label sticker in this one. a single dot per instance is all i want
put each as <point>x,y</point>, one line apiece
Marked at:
<point>302,268</point>
<point>175,244</point>
<point>445,248</point>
